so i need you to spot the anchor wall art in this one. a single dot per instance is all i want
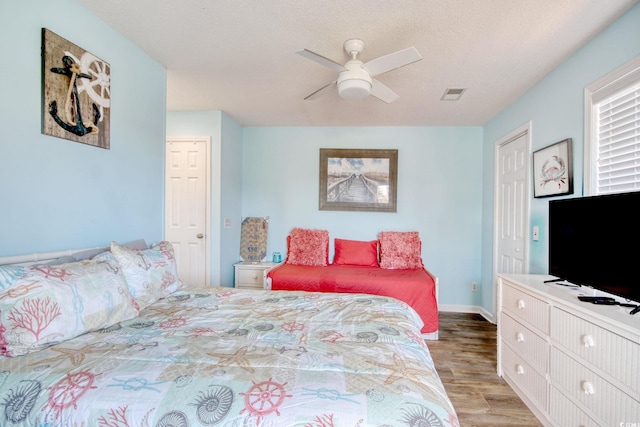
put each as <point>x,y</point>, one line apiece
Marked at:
<point>76,92</point>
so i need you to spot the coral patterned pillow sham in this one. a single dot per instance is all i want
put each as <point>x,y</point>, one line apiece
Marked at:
<point>151,273</point>
<point>57,303</point>
<point>400,250</point>
<point>308,247</point>
<point>355,252</point>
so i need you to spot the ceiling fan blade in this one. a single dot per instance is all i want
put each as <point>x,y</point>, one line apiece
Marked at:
<point>323,87</point>
<point>321,60</point>
<point>382,92</point>
<point>392,61</point>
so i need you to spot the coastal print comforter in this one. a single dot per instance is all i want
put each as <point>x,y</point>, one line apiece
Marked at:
<point>227,357</point>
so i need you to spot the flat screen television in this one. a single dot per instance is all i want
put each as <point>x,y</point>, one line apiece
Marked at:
<point>595,241</point>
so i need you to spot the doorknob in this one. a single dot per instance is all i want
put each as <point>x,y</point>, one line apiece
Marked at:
<point>199,235</point>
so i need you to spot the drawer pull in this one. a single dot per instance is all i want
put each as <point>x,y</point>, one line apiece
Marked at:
<point>520,370</point>
<point>519,337</point>
<point>588,341</point>
<point>587,387</point>
<point>521,304</point>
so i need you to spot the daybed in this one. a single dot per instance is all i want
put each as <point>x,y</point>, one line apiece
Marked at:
<point>397,271</point>
<point>117,340</point>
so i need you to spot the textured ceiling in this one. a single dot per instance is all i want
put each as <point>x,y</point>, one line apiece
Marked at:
<point>238,56</point>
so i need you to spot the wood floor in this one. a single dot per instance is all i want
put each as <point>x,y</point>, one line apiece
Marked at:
<point>465,357</point>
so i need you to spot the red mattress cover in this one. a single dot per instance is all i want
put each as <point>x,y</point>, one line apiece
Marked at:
<point>416,287</point>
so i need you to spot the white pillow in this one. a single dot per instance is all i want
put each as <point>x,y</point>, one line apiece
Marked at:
<point>150,273</point>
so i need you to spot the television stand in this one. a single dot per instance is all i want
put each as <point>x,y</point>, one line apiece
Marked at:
<point>571,363</point>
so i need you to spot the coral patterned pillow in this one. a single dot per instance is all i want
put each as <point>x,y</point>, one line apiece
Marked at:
<point>308,247</point>
<point>151,273</point>
<point>400,250</point>
<point>354,252</point>
<point>57,303</point>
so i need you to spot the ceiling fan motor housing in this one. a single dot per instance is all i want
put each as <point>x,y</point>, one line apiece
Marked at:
<point>355,81</point>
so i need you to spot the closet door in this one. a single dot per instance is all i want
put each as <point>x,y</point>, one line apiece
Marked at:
<point>186,206</point>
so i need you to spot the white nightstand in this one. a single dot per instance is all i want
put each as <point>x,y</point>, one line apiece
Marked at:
<point>250,275</point>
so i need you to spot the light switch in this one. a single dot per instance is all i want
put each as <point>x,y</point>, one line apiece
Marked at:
<point>227,223</point>
<point>536,233</point>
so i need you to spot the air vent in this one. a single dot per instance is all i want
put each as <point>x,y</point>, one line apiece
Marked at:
<point>452,94</point>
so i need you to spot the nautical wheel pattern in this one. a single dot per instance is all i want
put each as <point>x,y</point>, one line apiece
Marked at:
<point>69,390</point>
<point>264,398</point>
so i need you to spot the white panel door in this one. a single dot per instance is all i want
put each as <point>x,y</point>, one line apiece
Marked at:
<point>186,201</point>
<point>512,205</point>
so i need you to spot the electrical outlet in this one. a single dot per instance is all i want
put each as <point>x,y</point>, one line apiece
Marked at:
<point>474,286</point>
<point>536,233</point>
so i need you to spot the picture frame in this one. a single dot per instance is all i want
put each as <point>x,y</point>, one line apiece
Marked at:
<point>254,232</point>
<point>552,170</point>
<point>358,180</point>
<point>76,93</point>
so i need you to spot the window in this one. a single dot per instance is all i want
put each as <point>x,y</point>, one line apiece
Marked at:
<point>612,132</point>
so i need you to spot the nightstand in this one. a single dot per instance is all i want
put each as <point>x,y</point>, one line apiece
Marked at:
<point>250,275</point>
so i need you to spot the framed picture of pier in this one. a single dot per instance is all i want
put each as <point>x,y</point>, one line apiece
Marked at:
<point>358,180</point>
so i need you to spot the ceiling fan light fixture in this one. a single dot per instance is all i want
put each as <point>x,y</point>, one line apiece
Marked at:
<point>354,82</point>
<point>355,79</point>
<point>354,88</point>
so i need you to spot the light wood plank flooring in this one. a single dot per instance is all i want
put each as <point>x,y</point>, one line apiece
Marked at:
<point>465,357</point>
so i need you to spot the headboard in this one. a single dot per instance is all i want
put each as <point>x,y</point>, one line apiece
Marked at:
<point>37,258</point>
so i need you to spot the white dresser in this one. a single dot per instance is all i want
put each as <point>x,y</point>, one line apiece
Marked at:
<point>573,363</point>
<point>250,275</point>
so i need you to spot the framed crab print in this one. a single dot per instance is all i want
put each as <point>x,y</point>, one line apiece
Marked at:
<point>552,171</point>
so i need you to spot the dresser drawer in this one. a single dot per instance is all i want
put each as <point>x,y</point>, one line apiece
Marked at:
<point>524,307</point>
<point>525,342</point>
<point>531,382</point>
<point>605,401</point>
<point>565,413</point>
<point>611,353</point>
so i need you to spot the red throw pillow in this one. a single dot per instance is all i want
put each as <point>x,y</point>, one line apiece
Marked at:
<point>308,247</point>
<point>355,252</point>
<point>400,250</point>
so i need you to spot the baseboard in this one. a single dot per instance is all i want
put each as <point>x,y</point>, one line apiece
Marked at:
<point>476,309</point>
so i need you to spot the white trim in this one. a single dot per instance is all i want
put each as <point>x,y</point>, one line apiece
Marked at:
<point>40,257</point>
<point>524,129</point>
<point>594,93</point>
<point>474,309</point>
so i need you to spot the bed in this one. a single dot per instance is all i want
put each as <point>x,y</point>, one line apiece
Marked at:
<point>213,356</point>
<point>389,266</point>
<point>416,287</point>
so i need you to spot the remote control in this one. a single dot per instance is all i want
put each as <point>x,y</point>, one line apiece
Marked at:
<point>598,300</point>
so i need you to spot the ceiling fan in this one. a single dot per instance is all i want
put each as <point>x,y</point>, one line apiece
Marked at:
<point>355,80</point>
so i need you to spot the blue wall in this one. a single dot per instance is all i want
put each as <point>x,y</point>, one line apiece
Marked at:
<point>555,107</point>
<point>58,194</point>
<point>439,192</point>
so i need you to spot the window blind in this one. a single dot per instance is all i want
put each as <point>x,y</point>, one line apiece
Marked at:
<point>618,141</point>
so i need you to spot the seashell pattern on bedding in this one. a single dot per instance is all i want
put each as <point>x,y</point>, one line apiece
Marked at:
<point>234,357</point>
